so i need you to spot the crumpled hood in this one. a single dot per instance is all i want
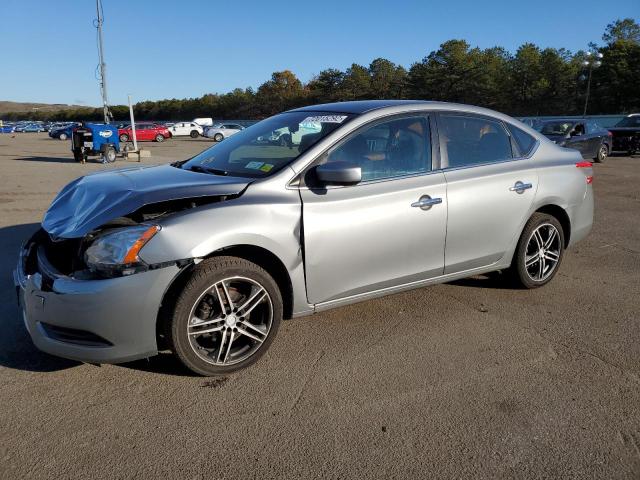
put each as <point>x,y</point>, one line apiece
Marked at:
<point>92,200</point>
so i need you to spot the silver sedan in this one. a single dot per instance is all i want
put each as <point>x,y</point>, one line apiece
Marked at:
<point>205,257</point>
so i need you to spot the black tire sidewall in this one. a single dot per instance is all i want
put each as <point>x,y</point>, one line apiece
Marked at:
<point>203,276</point>
<point>194,134</point>
<point>218,137</point>
<point>518,265</point>
<point>124,138</point>
<point>159,138</point>
<point>599,158</point>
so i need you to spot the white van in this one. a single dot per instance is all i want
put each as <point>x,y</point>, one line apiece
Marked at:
<point>203,122</point>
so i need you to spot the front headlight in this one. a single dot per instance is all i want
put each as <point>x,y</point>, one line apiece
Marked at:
<point>119,248</point>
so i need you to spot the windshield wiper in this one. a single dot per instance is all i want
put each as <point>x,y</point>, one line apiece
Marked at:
<point>202,169</point>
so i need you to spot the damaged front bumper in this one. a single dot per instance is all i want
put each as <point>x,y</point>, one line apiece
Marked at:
<point>110,320</point>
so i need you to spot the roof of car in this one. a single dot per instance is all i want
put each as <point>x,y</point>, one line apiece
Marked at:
<point>358,106</point>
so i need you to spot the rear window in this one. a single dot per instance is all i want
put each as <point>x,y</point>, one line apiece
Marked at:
<point>524,141</point>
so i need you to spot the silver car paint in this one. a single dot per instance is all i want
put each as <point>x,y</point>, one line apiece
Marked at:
<point>332,245</point>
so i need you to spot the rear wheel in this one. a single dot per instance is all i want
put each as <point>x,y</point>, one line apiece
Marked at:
<point>603,153</point>
<point>124,137</point>
<point>159,138</point>
<point>539,252</point>
<point>218,137</point>
<point>194,134</point>
<point>226,316</point>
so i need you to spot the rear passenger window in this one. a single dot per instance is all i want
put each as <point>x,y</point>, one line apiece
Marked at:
<point>524,141</point>
<point>473,140</point>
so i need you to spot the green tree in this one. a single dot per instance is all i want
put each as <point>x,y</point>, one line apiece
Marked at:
<point>357,83</point>
<point>626,30</point>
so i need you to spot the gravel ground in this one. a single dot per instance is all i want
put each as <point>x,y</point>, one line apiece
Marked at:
<point>468,379</point>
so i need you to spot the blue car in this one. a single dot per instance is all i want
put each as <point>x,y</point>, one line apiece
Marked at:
<point>34,128</point>
<point>62,133</point>
<point>7,129</point>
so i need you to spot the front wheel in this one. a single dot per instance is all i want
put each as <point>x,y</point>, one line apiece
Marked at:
<point>124,137</point>
<point>63,136</point>
<point>159,138</point>
<point>603,153</point>
<point>194,134</point>
<point>218,137</point>
<point>226,317</point>
<point>539,252</point>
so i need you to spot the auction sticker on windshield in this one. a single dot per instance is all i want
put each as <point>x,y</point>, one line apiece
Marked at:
<point>324,119</point>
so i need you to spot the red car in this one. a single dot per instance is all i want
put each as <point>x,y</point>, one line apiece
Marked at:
<point>145,132</point>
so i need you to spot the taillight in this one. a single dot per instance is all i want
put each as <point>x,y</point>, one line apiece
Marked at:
<point>586,165</point>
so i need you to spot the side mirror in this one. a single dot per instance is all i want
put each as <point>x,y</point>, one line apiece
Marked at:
<point>339,173</point>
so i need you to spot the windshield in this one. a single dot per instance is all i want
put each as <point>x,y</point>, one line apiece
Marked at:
<point>267,146</point>
<point>629,122</point>
<point>556,128</point>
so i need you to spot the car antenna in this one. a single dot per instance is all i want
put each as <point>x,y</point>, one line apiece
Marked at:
<point>101,69</point>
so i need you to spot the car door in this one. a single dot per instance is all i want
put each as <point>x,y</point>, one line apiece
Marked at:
<point>178,129</point>
<point>144,132</point>
<point>489,190</point>
<point>388,229</point>
<point>579,140</point>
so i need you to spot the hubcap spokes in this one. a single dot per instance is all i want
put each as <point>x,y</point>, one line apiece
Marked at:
<point>543,252</point>
<point>230,321</point>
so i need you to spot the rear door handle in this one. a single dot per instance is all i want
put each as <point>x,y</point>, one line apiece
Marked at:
<point>426,202</point>
<point>520,187</point>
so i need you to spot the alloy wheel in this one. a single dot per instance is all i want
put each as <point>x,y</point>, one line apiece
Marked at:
<point>229,321</point>
<point>543,252</point>
<point>602,153</point>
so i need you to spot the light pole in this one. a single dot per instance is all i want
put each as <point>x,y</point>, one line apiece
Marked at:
<point>592,61</point>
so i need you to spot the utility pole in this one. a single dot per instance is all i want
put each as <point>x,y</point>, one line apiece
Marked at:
<point>103,66</point>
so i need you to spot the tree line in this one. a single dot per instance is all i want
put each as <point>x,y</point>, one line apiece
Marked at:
<point>532,81</point>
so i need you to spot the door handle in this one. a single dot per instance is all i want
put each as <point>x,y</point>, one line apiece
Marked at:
<point>520,187</point>
<point>426,202</point>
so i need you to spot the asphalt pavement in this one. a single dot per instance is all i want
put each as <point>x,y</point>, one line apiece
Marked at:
<point>470,379</point>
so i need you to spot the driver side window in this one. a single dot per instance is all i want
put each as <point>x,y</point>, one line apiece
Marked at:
<point>393,148</point>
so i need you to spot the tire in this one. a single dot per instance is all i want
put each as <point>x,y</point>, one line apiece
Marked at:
<point>124,137</point>
<point>218,137</point>
<point>194,134</point>
<point>205,354</point>
<point>159,138</point>
<point>603,153</point>
<point>109,155</point>
<point>530,264</point>
<point>63,136</point>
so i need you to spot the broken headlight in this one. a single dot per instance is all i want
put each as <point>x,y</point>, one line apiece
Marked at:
<point>117,250</point>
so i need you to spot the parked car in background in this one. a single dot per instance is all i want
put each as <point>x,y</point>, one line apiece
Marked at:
<point>592,141</point>
<point>7,128</point>
<point>64,132</point>
<point>181,129</point>
<point>626,134</point>
<point>32,128</point>
<point>145,132</point>
<point>207,256</point>
<point>221,131</point>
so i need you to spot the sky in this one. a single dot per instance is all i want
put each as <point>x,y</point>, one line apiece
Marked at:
<point>157,49</point>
